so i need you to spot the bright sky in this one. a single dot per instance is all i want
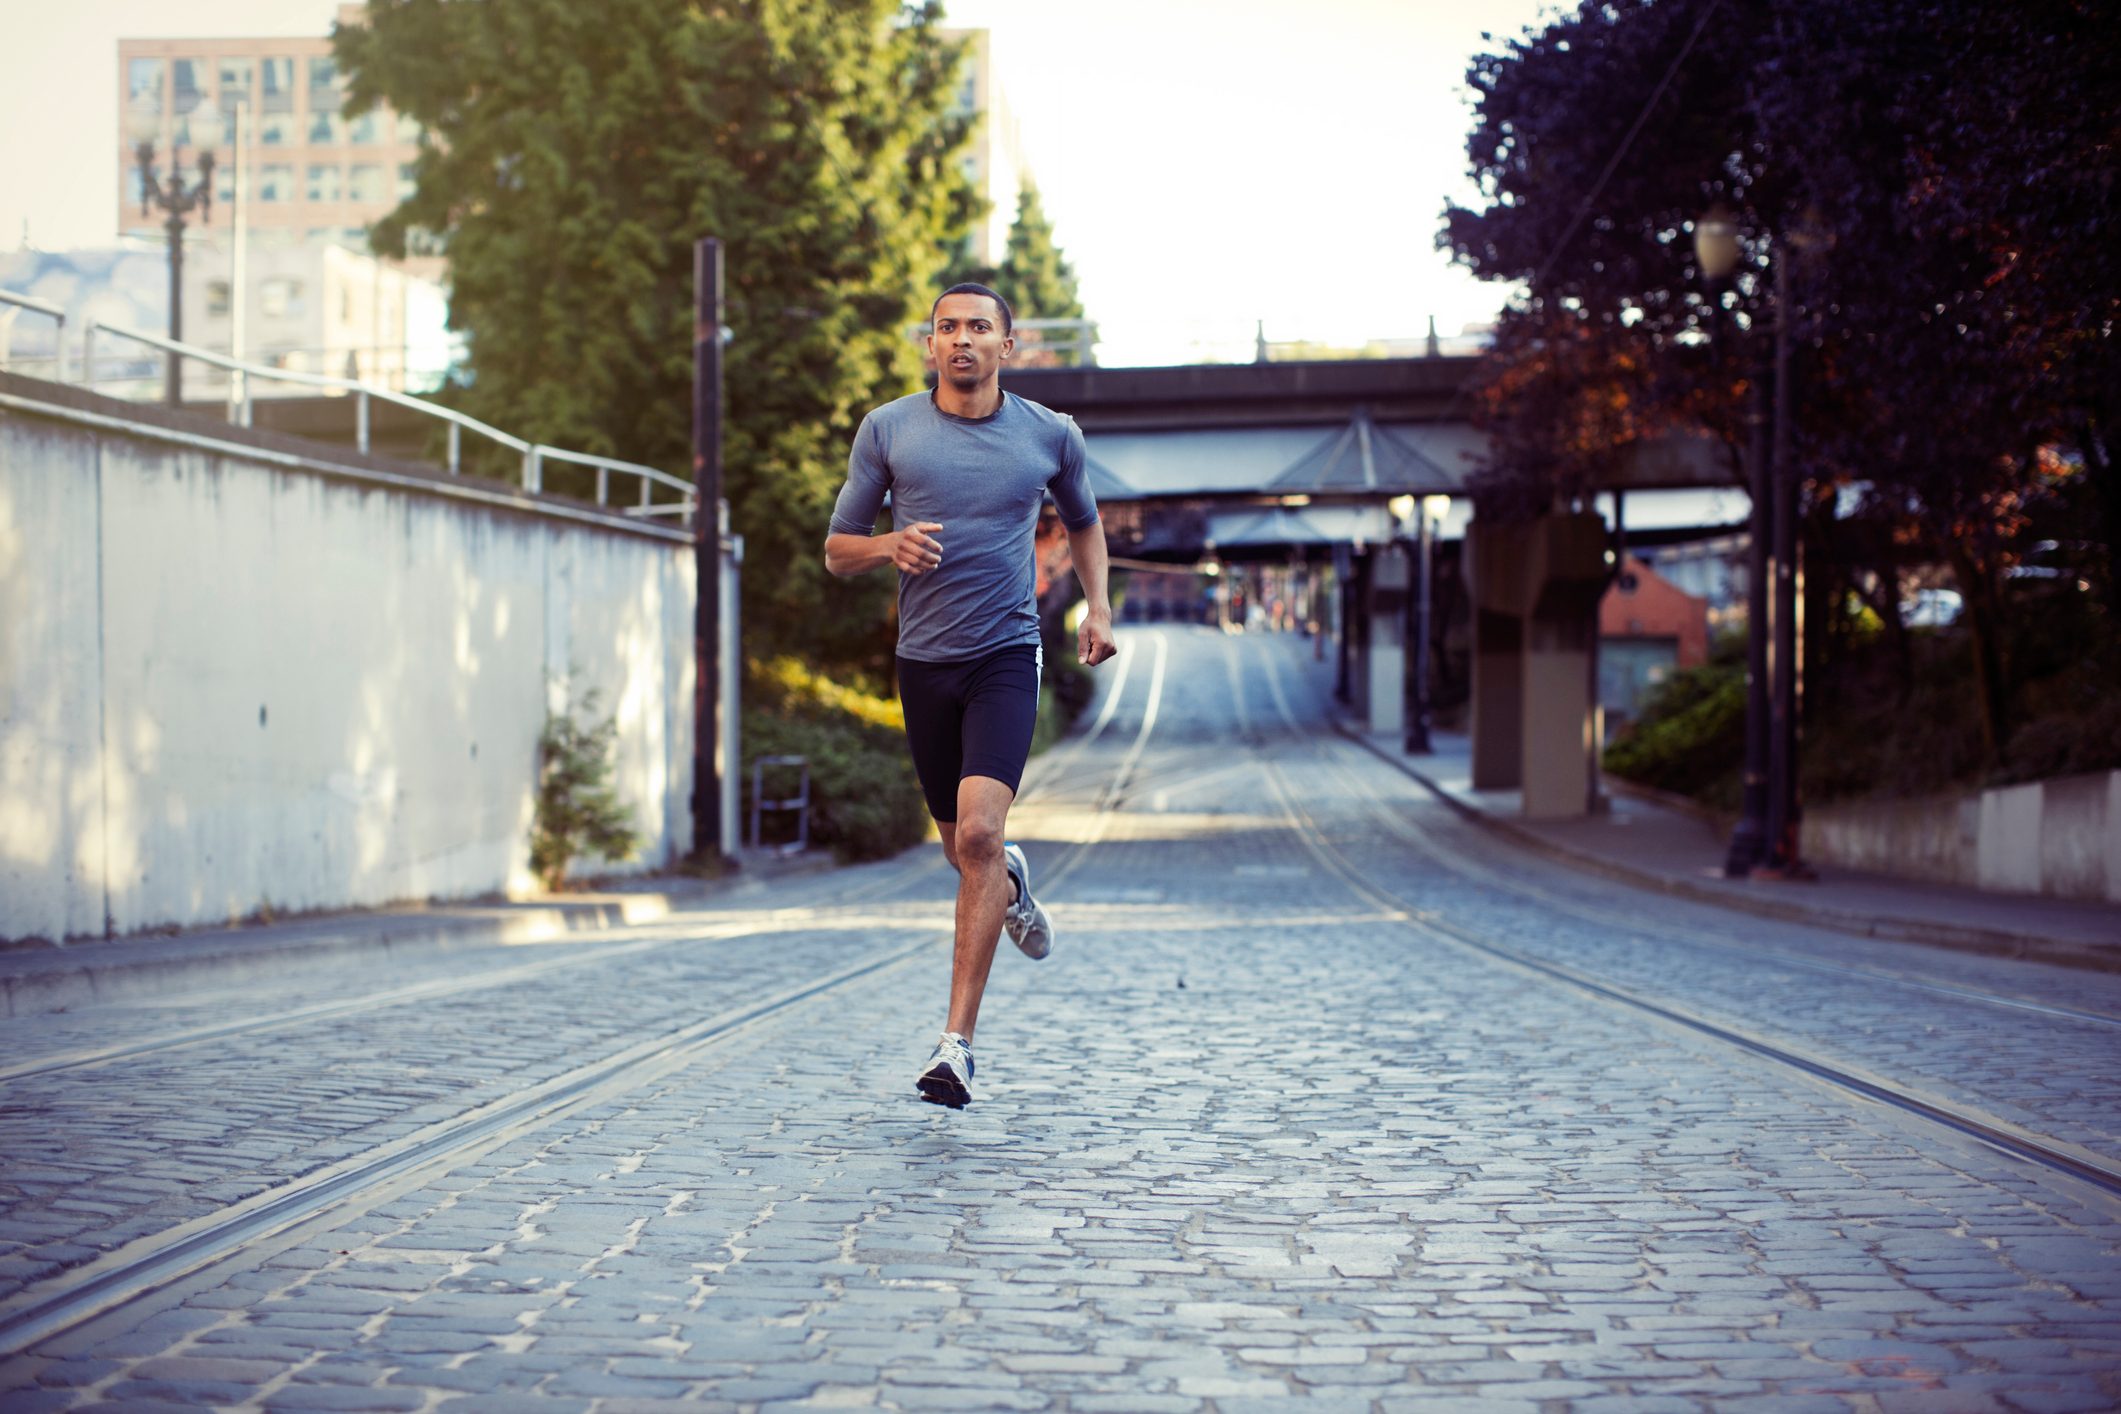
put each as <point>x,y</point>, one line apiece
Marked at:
<point>1206,163</point>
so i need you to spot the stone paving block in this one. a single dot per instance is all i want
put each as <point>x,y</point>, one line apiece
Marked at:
<point>342,1397</point>
<point>192,1392</point>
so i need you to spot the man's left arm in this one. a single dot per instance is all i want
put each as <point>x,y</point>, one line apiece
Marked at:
<point>1086,547</point>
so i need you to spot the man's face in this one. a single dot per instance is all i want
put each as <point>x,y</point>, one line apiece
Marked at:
<point>967,343</point>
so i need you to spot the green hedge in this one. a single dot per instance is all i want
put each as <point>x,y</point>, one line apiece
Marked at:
<point>864,800</point>
<point>1691,737</point>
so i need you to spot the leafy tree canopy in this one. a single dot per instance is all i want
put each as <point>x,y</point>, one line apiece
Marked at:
<point>570,156</point>
<point>1936,180</point>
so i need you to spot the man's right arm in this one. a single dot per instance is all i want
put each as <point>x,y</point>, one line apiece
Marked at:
<point>850,547</point>
<point>915,550</point>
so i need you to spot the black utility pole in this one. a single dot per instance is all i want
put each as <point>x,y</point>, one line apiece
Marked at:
<point>707,524</point>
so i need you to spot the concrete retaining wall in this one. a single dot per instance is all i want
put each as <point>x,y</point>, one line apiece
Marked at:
<point>234,678</point>
<point>2061,838</point>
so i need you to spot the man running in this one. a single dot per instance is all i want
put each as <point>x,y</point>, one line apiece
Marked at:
<point>968,466</point>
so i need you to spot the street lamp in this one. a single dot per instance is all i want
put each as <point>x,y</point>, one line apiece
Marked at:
<point>1429,511</point>
<point>1767,832</point>
<point>177,201</point>
<point>1716,252</point>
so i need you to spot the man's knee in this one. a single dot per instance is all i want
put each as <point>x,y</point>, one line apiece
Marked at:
<point>979,843</point>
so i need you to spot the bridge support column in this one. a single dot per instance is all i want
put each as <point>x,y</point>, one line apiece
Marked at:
<point>1385,703</point>
<point>1535,590</point>
<point>1498,700</point>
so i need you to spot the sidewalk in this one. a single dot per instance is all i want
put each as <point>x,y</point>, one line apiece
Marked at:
<point>38,977</point>
<point>1654,846</point>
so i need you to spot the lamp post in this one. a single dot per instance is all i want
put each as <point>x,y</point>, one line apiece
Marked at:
<point>1429,511</point>
<point>1716,252</point>
<point>176,201</point>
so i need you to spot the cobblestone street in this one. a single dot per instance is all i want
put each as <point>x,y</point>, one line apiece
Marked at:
<point>1304,1111</point>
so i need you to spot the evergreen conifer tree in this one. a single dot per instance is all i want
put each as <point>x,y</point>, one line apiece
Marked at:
<point>1035,275</point>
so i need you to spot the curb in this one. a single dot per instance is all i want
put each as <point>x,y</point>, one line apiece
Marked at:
<point>78,977</point>
<point>103,971</point>
<point>1990,942</point>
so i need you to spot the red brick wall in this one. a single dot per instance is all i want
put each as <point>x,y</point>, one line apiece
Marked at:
<point>1656,608</point>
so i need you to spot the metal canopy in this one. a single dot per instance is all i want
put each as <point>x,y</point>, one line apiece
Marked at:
<point>1414,459</point>
<point>1294,526</point>
<point>1365,460</point>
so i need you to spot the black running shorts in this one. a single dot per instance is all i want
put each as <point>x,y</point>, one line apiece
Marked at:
<point>972,718</point>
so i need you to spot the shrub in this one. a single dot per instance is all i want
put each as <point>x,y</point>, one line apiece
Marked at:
<point>865,802</point>
<point>577,809</point>
<point>1691,737</point>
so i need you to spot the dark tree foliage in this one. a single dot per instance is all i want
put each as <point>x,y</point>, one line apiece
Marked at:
<point>1938,177</point>
<point>572,153</point>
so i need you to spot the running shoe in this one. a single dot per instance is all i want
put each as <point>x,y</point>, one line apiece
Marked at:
<point>947,1078</point>
<point>1025,922</point>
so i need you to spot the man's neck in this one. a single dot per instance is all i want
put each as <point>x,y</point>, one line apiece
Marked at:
<point>982,401</point>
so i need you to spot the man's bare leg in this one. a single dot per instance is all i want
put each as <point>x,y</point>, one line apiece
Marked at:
<point>973,845</point>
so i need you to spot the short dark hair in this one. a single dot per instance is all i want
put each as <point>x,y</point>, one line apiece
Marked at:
<point>967,287</point>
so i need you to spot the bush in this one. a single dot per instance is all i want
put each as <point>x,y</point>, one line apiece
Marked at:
<point>577,810</point>
<point>1691,737</point>
<point>865,802</point>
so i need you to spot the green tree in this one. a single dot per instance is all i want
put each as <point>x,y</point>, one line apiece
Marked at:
<point>1035,274</point>
<point>1036,277</point>
<point>570,156</point>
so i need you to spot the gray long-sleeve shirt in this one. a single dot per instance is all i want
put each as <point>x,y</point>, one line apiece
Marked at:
<point>983,480</point>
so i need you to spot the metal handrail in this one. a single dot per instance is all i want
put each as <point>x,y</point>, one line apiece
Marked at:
<point>50,311</point>
<point>534,454</point>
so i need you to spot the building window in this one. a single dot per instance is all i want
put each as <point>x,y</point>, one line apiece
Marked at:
<point>356,237</point>
<point>188,83</point>
<point>280,297</point>
<point>364,183</point>
<point>235,83</point>
<point>278,130</point>
<point>217,298</point>
<point>276,182</point>
<point>276,85</point>
<point>407,129</point>
<point>326,130</point>
<point>363,130</point>
<point>143,84</point>
<point>323,183</point>
<point>408,180</point>
<point>225,184</point>
<point>324,85</point>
